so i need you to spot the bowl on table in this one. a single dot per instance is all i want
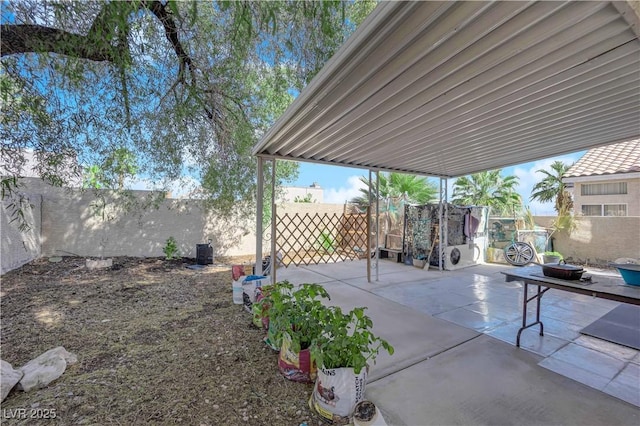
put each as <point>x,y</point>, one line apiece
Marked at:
<point>630,272</point>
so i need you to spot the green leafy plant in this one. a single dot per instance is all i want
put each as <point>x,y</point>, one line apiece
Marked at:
<point>553,253</point>
<point>552,257</point>
<point>301,318</point>
<point>276,301</point>
<point>308,198</point>
<point>269,293</point>
<point>347,340</point>
<point>171,248</point>
<point>326,242</point>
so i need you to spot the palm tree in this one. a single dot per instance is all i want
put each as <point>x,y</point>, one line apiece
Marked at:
<point>490,189</point>
<point>551,188</point>
<point>414,189</point>
<point>396,189</point>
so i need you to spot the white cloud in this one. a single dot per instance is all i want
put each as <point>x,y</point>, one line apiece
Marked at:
<point>344,194</point>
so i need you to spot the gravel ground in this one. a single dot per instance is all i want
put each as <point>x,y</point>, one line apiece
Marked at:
<point>156,342</point>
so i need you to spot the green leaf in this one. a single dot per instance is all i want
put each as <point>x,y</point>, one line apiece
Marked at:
<point>173,6</point>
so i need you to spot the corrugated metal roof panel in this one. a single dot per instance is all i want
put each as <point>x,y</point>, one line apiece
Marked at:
<point>453,88</point>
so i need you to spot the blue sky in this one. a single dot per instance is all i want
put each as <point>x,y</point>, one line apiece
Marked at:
<point>341,183</point>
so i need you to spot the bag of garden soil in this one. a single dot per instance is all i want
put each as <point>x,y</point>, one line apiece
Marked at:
<point>237,271</point>
<point>336,393</point>
<point>250,286</point>
<point>296,366</point>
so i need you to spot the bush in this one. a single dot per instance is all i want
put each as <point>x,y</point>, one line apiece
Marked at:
<point>171,249</point>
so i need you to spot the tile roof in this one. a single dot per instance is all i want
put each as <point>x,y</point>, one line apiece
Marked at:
<point>621,157</point>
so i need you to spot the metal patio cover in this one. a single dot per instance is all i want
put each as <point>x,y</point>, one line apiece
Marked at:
<point>452,88</point>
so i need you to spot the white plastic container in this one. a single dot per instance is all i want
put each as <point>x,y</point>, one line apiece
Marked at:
<point>237,291</point>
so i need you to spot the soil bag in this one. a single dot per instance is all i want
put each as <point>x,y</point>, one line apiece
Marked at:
<point>296,366</point>
<point>250,286</point>
<point>237,271</point>
<point>336,393</point>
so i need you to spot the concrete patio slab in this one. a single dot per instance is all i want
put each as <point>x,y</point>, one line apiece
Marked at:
<point>470,319</point>
<point>596,362</point>
<point>617,351</point>
<point>415,336</point>
<point>344,270</point>
<point>530,339</point>
<point>300,275</point>
<point>496,309</point>
<point>445,371</point>
<point>487,382</point>
<point>625,385</point>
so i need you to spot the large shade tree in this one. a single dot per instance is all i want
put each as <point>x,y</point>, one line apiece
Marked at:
<point>188,87</point>
<point>488,188</point>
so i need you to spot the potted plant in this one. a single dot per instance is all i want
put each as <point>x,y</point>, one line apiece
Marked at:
<point>274,302</point>
<point>344,351</point>
<point>551,257</point>
<point>420,262</point>
<point>260,309</point>
<point>296,328</point>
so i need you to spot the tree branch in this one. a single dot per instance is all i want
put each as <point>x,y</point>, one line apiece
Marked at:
<point>171,32</point>
<point>17,39</point>
<point>106,40</point>
<point>95,46</point>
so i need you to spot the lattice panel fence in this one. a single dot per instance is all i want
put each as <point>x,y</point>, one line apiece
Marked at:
<point>305,239</point>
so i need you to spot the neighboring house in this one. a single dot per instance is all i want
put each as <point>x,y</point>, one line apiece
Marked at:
<point>606,181</point>
<point>312,194</point>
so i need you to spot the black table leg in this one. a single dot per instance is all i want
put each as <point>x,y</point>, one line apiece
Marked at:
<point>525,301</point>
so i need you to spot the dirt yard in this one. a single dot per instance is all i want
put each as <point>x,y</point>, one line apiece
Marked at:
<point>156,342</point>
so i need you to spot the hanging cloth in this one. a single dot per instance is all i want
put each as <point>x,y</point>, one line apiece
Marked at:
<point>471,224</point>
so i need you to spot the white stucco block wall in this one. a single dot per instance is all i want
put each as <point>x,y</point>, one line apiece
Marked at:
<point>598,240</point>
<point>20,247</point>
<point>70,227</point>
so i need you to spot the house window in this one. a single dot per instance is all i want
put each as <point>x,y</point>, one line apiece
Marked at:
<point>604,209</point>
<point>591,210</point>
<point>615,209</point>
<point>613,188</point>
